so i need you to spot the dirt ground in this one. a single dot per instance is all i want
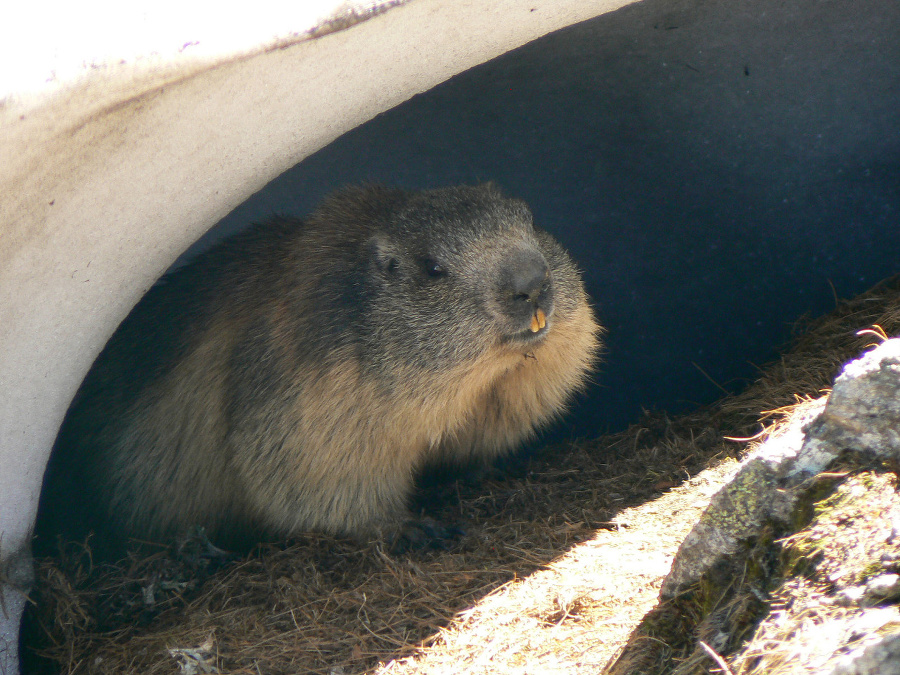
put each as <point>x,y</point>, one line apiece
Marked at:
<point>558,570</point>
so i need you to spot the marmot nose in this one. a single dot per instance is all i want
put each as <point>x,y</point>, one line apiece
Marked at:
<point>529,278</point>
<point>528,290</point>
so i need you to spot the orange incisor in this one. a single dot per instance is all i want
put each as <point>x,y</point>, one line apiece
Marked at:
<point>538,320</point>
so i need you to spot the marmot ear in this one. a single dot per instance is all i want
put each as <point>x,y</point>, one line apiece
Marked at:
<point>384,254</point>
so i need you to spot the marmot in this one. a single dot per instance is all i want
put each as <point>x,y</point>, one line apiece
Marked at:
<point>297,376</point>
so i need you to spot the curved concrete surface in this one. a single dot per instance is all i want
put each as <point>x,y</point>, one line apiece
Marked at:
<point>115,165</point>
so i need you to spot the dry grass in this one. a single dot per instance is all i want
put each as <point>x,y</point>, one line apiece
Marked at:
<point>818,350</point>
<point>563,556</point>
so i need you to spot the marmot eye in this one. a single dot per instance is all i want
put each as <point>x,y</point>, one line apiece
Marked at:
<point>434,269</point>
<point>392,265</point>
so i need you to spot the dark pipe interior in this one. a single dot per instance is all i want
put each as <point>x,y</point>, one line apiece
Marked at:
<point>718,169</point>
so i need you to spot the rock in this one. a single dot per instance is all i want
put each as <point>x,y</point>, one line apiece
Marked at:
<point>883,588</point>
<point>862,415</point>
<point>882,657</point>
<point>862,412</point>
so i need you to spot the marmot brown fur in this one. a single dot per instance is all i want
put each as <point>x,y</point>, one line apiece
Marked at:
<point>296,376</point>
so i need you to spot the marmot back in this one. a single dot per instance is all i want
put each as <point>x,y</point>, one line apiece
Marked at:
<point>298,375</point>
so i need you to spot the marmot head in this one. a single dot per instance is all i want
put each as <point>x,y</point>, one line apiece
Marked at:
<point>449,273</point>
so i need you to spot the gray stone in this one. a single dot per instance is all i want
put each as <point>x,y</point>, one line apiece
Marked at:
<point>883,588</point>
<point>861,414</point>
<point>880,658</point>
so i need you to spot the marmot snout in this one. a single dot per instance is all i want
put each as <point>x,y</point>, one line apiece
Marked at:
<point>297,376</point>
